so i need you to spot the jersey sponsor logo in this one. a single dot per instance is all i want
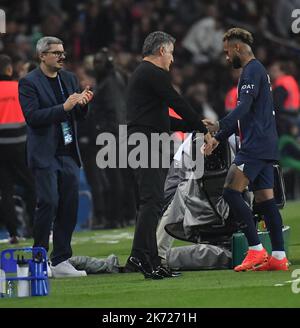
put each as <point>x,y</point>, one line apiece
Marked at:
<point>247,86</point>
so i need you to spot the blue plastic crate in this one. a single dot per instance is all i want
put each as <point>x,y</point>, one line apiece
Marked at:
<point>35,260</point>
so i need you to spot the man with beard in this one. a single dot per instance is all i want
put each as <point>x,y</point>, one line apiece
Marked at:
<point>52,104</point>
<point>253,165</point>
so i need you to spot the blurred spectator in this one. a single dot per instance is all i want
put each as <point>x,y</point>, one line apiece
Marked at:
<point>13,169</point>
<point>289,150</point>
<point>107,113</point>
<point>99,29</point>
<point>231,95</point>
<point>122,23</point>
<point>27,67</point>
<point>289,145</point>
<point>177,78</point>
<point>241,11</point>
<point>52,24</point>
<point>23,44</point>
<point>285,94</point>
<point>262,54</point>
<point>18,63</point>
<point>205,38</point>
<point>197,97</point>
<point>285,88</point>
<point>85,77</point>
<point>76,46</point>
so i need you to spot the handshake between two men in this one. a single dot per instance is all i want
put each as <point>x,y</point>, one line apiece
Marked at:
<point>81,99</point>
<point>211,143</point>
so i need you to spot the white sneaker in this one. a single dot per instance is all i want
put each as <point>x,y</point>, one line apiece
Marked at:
<point>65,269</point>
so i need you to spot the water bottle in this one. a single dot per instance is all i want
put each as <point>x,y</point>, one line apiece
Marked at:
<point>39,282</point>
<point>12,290</point>
<point>2,284</point>
<point>22,272</point>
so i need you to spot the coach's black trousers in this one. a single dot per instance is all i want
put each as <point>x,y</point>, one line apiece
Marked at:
<point>57,203</point>
<point>150,186</point>
<point>151,199</point>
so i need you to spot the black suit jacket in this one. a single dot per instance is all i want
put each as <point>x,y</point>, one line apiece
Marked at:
<point>43,113</point>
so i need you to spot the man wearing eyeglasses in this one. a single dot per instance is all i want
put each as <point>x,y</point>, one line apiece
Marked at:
<point>52,104</point>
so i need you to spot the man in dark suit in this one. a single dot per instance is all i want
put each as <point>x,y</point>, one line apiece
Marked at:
<point>52,104</point>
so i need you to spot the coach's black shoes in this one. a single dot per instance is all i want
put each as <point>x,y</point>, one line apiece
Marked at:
<point>147,272</point>
<point>167,272</point>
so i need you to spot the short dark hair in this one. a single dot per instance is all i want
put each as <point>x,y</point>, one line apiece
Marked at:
<point>240,34</point>
<point>5,61</point>
<point>154,41</point>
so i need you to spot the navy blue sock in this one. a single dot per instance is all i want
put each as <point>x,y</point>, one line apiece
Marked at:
<point>242,211</point>
<point>273,221</point>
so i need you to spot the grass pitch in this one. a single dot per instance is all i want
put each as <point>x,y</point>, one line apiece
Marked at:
<point>196,289</point>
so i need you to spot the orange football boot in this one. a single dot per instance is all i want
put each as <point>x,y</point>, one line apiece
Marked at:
<point>253,260</point>
<point>274,264</point>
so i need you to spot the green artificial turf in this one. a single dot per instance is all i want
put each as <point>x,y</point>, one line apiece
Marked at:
<point>220,288</point>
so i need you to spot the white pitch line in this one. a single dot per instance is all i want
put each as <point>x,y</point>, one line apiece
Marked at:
<point>105,239</point>
<point>291,281</point>
<point>287,282</point>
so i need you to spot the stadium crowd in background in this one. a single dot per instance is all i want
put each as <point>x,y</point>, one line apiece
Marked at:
<point>198,26</point>
<point>199,72</point>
